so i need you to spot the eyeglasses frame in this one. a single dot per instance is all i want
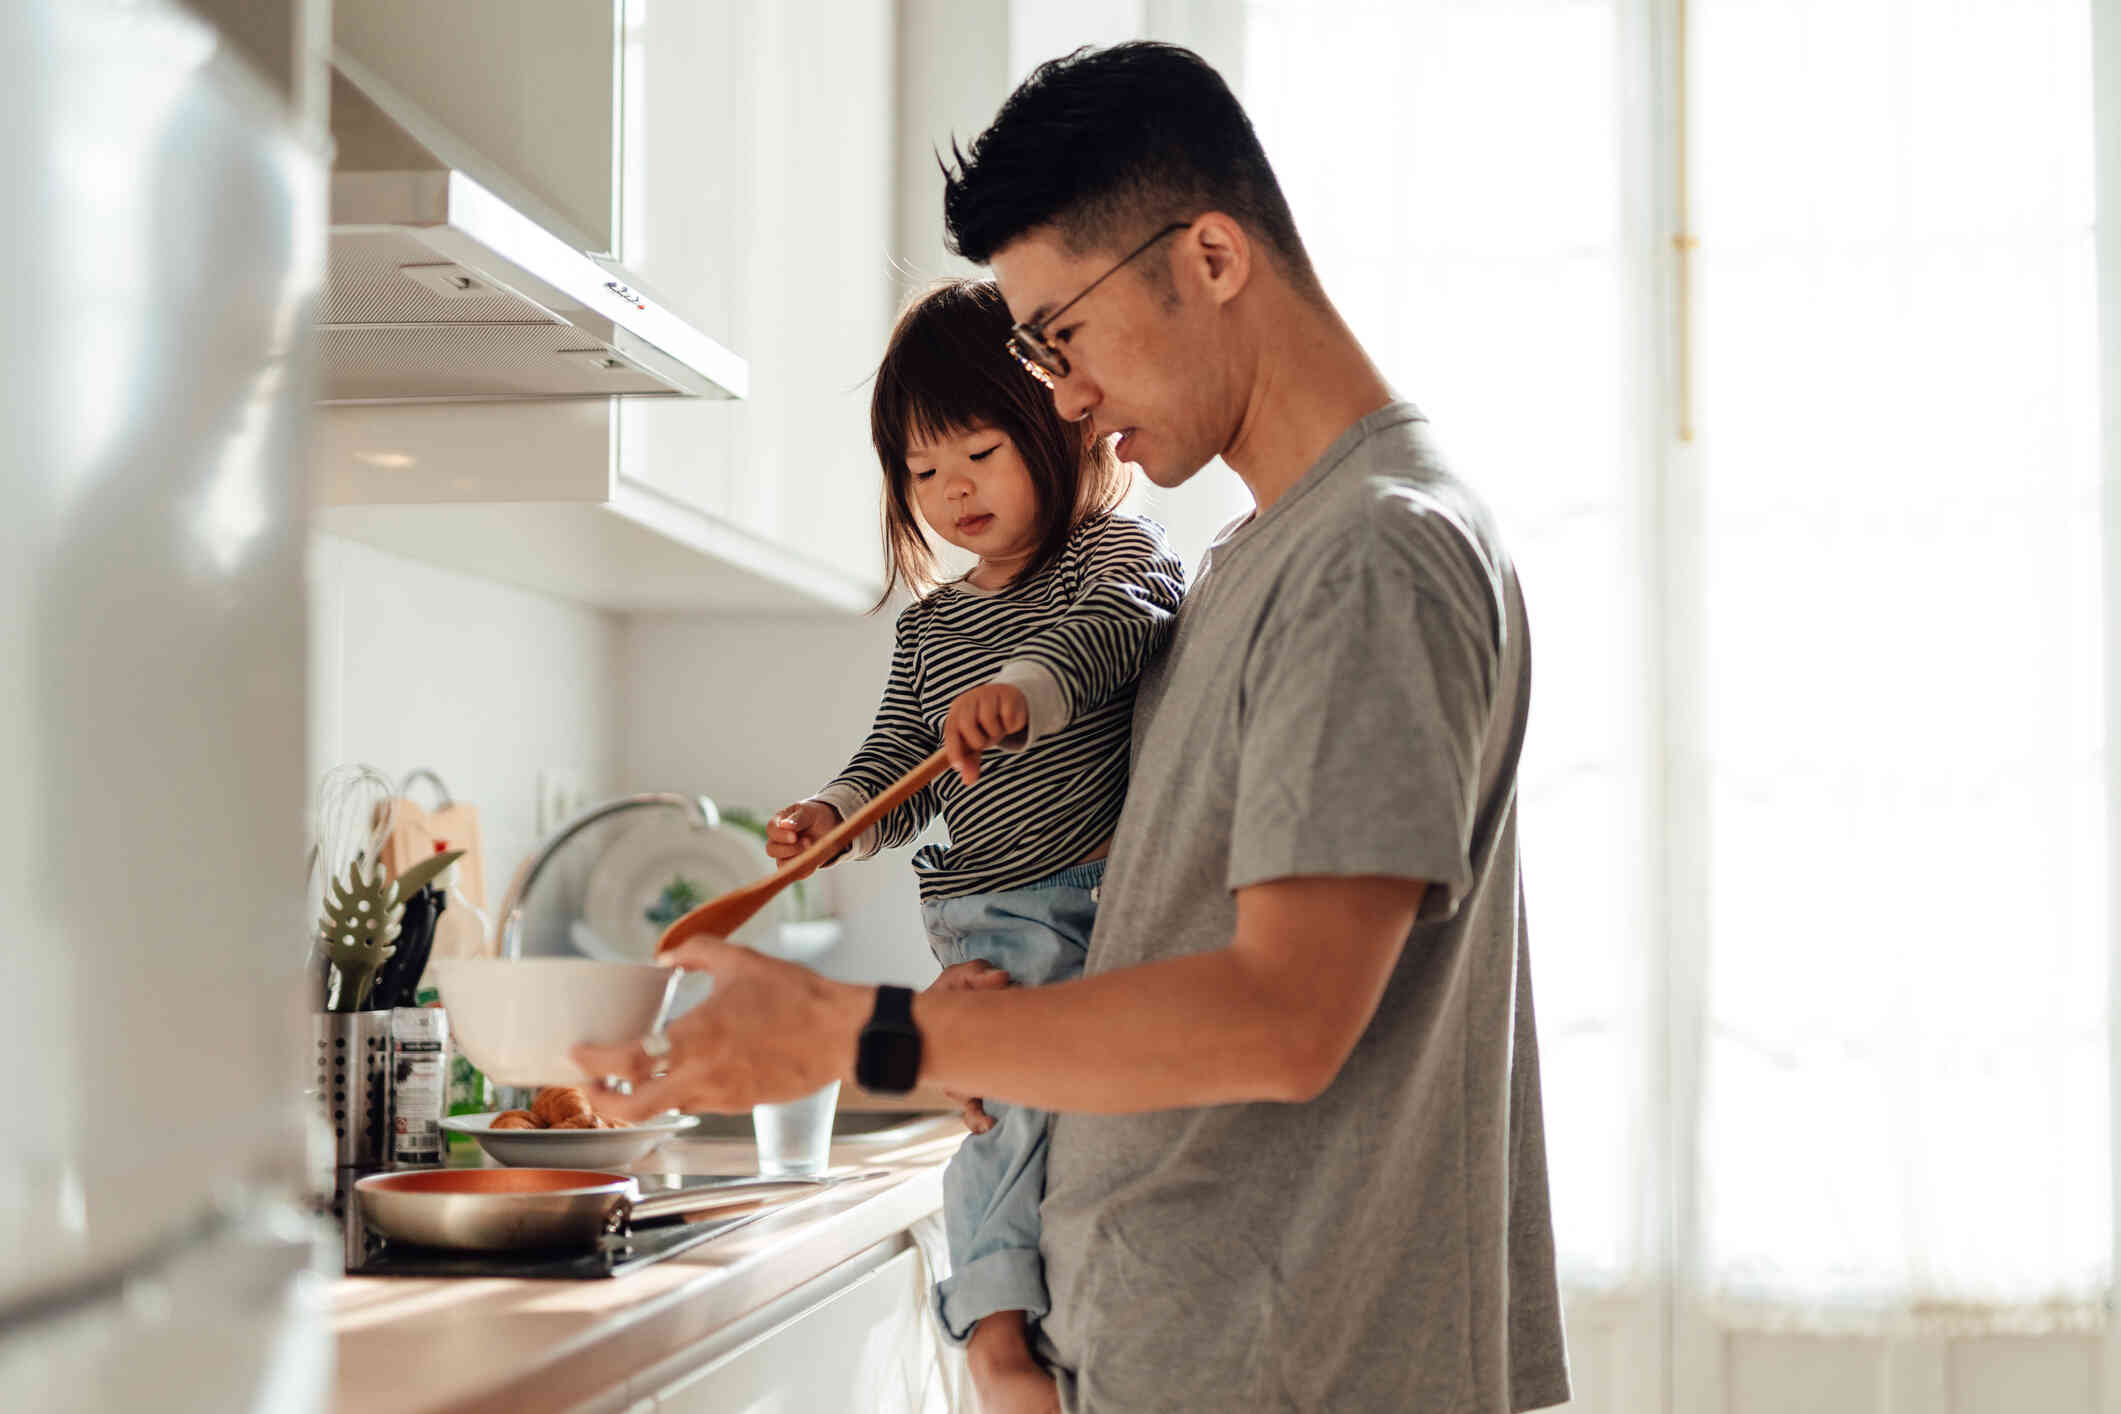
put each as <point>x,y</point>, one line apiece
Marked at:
<point>1027,342</point>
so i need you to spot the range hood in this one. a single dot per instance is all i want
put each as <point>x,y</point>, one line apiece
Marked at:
<point>448,283</point>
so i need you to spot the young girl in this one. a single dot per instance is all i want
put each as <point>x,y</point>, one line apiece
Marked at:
<point>1036,652</point>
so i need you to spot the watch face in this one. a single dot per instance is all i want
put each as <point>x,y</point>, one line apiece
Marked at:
<point>888,1060</point>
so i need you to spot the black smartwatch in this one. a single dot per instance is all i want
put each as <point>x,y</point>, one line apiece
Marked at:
<point>887,1060</point>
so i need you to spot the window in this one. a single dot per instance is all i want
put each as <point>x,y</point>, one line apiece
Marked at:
<point>1462,197</point>
<point>1814,801</point>
<point>1902,778</point>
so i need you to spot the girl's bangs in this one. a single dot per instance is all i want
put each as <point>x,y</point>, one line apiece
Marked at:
<point>929,391</point>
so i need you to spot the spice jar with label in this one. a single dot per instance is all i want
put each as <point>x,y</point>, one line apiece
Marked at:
<point>419,1074</point>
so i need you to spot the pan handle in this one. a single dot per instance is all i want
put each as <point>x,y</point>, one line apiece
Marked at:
<point>659,1208</point>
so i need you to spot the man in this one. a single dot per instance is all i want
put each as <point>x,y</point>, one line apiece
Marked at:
<point>1299,1161</point>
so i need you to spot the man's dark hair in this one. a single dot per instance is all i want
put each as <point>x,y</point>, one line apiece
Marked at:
<point>1106,145</point>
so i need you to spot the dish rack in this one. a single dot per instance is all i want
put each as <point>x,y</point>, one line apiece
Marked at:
<point>509,930</point>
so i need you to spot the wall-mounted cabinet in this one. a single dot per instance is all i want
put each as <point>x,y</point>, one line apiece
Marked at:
<point>738,158</point>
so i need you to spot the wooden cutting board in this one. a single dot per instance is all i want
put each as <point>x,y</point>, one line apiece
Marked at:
<point>416,833</point>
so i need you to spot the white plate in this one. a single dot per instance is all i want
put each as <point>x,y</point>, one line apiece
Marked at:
<point>628,881</point>
<point>570,1148</point>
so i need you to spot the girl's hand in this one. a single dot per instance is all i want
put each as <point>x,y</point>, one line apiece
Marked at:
<point>985,716</point>
<point>799,826</point>
<point>973,976</point>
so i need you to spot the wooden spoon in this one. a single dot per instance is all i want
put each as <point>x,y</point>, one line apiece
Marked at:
<point>722,916</point>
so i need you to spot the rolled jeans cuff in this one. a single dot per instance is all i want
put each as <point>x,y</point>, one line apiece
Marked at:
<point>1012,1279</point>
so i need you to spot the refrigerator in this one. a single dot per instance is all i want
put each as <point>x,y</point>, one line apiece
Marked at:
<point>161,238</point>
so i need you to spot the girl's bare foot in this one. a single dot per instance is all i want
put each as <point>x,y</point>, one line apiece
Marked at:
<point>1029,1390</point>
<point>1006,1375</point>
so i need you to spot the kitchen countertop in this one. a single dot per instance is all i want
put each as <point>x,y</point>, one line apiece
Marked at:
<point>408,1344</point>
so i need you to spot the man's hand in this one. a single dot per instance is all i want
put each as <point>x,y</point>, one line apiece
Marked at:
<point>974,976</point>
<point>769,1031</point>
<point>985,716</point>
<point>795,828</point>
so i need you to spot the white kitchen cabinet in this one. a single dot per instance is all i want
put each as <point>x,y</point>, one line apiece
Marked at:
<point>758,169</point>
<point>862,1348</point>
<point>532,494</point>
<point>531,85</point>
<point>738,158</point>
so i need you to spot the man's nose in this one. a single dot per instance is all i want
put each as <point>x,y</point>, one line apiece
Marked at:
<point>1074,396</point>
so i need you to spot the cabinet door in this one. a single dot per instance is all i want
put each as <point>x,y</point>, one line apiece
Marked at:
<point>860,1349</point>
<point>530,85</point>
<point>756,178</point>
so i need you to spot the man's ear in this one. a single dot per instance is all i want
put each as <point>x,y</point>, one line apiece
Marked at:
<point>1221,251</point>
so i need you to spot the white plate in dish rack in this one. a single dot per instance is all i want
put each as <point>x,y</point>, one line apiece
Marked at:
<point>629,879</point>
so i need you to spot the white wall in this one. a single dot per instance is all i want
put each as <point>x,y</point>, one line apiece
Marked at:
<point>411,666</point>
<point>416,666</point>
<point>758,712</point>
<point>953,73</point>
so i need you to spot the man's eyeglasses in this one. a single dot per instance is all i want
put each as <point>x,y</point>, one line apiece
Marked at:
<point>1028,344</point>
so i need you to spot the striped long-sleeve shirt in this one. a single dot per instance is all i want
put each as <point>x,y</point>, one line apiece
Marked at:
<point>1074,638</point>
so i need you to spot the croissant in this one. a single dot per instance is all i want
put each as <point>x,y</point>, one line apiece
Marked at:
<point>557,1102</point>
<point>557,1107</point>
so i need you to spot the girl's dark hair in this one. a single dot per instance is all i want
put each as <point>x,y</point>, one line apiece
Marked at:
<point>947,370</point>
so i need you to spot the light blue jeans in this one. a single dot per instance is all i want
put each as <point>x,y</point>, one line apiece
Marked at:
<point>991,1191</point>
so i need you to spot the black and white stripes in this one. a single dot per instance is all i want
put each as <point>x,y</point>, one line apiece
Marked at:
<point>1075,638</point>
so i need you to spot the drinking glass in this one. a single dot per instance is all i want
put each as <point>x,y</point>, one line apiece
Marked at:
<point>795,1137</point>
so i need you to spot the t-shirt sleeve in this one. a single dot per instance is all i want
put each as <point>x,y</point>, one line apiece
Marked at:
<point>1364,704</point>
<point>1129,587</point>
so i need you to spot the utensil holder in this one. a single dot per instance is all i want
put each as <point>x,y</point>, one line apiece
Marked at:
<point>353,1084</point>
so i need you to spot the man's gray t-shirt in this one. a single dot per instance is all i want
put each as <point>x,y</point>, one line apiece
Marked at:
<point>1345,694</point>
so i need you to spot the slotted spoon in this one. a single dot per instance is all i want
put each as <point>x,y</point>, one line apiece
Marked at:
<point>722,916</point>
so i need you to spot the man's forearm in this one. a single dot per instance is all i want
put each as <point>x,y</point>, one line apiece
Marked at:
<point>1272,1016</point>
<point>923,1096</point>
<point>1202,1030</point>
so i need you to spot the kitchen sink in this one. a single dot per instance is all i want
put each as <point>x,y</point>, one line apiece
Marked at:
<point>879,1127</point>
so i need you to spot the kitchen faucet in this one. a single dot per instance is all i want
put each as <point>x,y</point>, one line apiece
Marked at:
<point>509,931</point>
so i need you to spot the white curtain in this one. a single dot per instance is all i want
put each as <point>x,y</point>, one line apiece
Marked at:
<point>1906,1090</point>
<point>1456,169</point>
<point>1893,789</point>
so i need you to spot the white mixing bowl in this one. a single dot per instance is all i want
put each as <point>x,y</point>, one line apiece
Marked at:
<point>519,1019</point>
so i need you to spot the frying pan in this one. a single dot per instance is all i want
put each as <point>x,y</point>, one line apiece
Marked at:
<point>510,1209</point>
